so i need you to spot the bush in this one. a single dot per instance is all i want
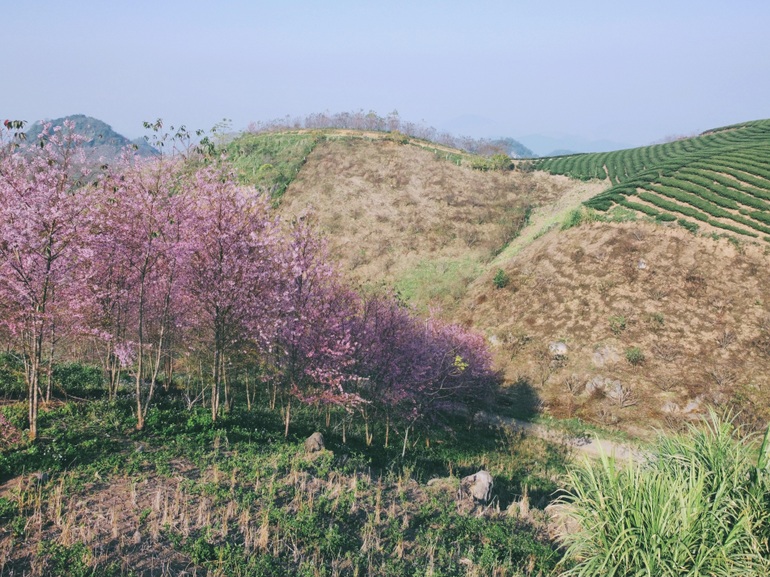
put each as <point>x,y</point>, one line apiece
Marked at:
<point>501,279</point>
<point>696,506</point>
<point>635,356</point>
<point>689,225</point>
<point>79,379</point>
<point>12,377</point>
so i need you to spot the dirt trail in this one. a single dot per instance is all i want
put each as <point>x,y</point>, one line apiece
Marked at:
<point>551,215</point>
<point>588,446</point>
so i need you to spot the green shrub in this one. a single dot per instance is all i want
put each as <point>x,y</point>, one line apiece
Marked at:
<point>79,379</point>
<point>696,506</point>
<point>62,560</point>
<point>635,356</point>
<point>501,162</point>
<point>12,377</point>
<point>689,225</point>
<point>501,279</point>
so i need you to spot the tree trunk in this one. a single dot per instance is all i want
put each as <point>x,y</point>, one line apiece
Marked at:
<point>248,396</point>
<point>215,387</point>
<point>287,418</point>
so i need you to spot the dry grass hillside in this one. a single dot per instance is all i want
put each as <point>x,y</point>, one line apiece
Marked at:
<point>412,218</point>
<point>658,323</point>
<point>632,323</point>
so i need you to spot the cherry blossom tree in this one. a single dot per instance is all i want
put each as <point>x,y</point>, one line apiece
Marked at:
<point>234,269</point>
<point>413,367</point>
<point>312,346</point>
<point>43,264</point>
<point>136,229</point>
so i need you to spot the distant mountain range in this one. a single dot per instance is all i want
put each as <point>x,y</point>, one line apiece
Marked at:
<point>562,144</point>
<point>102,142</point>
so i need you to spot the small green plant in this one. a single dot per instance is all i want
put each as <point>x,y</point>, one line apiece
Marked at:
<point>501,279</point>
<point>617,324</point>
<point>61,560</point>
<point>656,319</point>
<point>635,356</point>
<point>144,515</point>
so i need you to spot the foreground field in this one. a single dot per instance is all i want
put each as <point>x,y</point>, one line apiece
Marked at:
<point>188,497</point>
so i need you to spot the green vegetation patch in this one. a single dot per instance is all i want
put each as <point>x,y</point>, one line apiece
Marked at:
<point>435,282</point>
<point>271,161</point>
<point>696,506</point>
<point>717,177</point>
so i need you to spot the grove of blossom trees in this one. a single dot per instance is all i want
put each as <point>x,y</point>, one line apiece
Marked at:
<point>159,269</point>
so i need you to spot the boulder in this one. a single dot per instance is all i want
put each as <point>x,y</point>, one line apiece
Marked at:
<point>314,443</point>
<point>595,384</point>
<point>671,408</point>
<point>477,486</point>
<point>558,349</point>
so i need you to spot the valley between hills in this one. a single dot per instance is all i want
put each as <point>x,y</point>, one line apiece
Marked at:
<point>591,332</point>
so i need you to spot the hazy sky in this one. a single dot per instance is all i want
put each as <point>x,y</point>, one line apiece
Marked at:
<point>628,71</point>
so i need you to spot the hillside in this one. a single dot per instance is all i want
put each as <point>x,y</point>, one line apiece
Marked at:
<point>419,217</point>
<point>719,180</point>
<point>659,323</point>
<point>101,143</point>
<point>646,324</point>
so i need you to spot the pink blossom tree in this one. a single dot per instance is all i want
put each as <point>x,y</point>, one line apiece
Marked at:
<point>415,368</point>
<point>312,346</point>
<point>43,263</point>
<point>136,228</point>
<point>234,269</point>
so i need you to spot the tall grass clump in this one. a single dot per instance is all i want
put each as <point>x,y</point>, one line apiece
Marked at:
<point>697,506</point>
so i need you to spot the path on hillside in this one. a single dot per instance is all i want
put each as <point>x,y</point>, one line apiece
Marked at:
<point>586,445</point>
<point>551,215</point>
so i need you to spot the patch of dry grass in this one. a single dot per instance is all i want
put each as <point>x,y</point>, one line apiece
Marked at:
<point>695,307</point>
<point>391,211</point>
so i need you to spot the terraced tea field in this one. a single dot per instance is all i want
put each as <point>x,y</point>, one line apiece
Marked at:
<point>720,178</point>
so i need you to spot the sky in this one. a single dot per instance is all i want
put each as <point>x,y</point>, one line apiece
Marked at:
<point>623,71</point>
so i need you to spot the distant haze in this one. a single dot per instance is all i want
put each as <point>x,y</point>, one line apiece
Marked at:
<point>626,73</point>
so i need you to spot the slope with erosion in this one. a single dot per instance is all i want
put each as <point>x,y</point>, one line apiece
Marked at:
<point>635,324</point>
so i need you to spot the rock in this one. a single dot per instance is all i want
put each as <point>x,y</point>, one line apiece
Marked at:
<point>595,385</point>
<point>613,389</point>
<point>670,407</point>
<point>642,265</point>
<point>693,405</point>
<point>605,355</point>
<point>558,348</point>
<point>478,486</point>
<point>314,443</point>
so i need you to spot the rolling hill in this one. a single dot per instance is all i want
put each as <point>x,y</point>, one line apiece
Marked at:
<point>658,323</point>
<point>720,179</point>
<point>101,143</point>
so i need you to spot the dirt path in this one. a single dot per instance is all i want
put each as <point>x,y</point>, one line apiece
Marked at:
<point>588,446</point>
<point>551,215</point>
